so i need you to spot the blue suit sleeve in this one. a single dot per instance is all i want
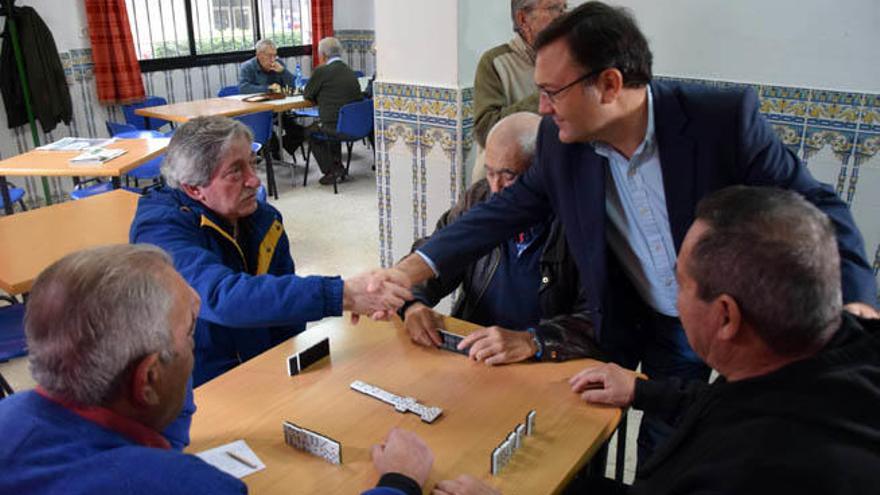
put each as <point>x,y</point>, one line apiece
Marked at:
<point>490,223</point>
<point>766,161</point>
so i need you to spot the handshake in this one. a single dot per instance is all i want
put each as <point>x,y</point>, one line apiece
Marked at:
<point>380,293</point>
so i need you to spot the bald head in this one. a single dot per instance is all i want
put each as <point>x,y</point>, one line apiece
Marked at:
<point>510,147</point>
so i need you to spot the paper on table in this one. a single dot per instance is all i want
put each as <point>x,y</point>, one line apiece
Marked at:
<point>219,458</point>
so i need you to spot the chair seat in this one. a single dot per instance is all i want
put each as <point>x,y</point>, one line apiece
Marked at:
<point>12,340</point>
<point>15,195</point>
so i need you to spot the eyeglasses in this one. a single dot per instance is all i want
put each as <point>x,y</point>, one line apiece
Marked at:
<point>552,95</point>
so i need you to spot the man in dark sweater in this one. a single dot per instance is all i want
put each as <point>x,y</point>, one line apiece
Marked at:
<point>333,84</point>
<point>526,292</point>
<point>110,335</point>
<point>795,408</point>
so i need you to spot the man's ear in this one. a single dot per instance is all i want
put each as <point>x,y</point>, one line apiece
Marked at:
<point>194,192</point>
<point>145,380</point>
<point>730,315</point>
<point>610,84</point>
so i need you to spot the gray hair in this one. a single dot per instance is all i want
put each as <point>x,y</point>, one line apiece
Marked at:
<point>516,6</point>
<point>776,254</point>
<point>520,128</point>
<point>264,44</point>
<point>329,47</point>
<point>92,314</point>
<point>197,149</point>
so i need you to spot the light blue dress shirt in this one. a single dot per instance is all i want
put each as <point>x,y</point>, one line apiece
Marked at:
<point>638,224</point>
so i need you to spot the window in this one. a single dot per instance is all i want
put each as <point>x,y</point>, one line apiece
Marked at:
<point>171,34</point>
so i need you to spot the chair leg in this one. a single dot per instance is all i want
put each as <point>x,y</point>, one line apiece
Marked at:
<point>335,180</point>
<point>350,145</point>
<point>21,203</point>
<point>270,172</point>
<point>308,158</point>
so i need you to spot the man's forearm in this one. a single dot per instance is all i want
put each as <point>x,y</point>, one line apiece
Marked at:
<point>415,268</point>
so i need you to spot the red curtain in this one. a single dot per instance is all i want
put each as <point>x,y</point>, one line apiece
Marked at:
<point>117,73</point>
<point>322,25</point>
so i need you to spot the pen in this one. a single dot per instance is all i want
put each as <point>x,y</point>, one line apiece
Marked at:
<point>241,459</point>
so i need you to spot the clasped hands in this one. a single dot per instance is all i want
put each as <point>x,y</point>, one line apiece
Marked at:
<point>378,294</point>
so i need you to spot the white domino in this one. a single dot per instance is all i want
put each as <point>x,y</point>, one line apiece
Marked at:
<point>401,404</point>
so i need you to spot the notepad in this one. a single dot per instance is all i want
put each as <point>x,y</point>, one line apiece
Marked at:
<point>96,154</point>
<point>236,459</point>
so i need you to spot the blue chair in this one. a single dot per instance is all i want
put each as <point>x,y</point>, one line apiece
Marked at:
<point>114,128</point>
<point>16,195</point>
<point>12,340</point>
<point>261,125</point>
<point>261,194</point>
<point>355,123</point>
<point>80,191</point>
<point>359,73</point>
<point>144,123</point>
<point>228,90</point>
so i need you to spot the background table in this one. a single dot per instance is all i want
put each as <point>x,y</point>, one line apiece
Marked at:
<point>32,240</point>
<point>281,105</point>
<point>481,405</point>
<point>185,111</point>
<point>57,163</point>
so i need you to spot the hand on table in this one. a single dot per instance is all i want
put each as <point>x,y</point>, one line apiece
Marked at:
<point>379,293</point>
<point>405,453</point>
<point>862,310</point>
<point>497,345</point>
<point>606,384</point>
<point>422,322</point>
<point>274,88</point>
<point>464,485</point>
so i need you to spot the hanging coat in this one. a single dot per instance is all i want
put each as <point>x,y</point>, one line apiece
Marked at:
<point>50,95</point>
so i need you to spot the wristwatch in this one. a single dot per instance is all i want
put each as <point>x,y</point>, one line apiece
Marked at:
<point>539,344</point>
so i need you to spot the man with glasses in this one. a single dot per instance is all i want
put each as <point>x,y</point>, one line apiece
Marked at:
<point>622,161</point>
<point>526,291</point>
<point>504,82</point>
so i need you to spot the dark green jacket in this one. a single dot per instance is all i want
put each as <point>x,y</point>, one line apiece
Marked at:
<point>332,86</point>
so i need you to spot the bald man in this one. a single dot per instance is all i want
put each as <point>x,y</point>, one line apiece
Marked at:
<point>526,291</point>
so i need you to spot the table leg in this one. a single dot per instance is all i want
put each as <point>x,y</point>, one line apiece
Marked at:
<point>4,190</point>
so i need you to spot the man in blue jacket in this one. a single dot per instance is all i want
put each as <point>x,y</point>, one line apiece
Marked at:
<point>622,161</point>
<point>234,252</point>
<point>110,335</point>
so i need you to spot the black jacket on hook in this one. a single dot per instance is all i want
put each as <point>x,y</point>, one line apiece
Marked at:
<point>50,95</point>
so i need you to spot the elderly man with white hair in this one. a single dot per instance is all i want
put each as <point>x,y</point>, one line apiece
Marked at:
<point>333,84</point>
<point>110,333</point>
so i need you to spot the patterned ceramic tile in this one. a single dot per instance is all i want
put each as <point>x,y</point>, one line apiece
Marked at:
<point>835,109</point>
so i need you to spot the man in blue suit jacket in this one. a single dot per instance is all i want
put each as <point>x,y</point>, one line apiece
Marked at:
<point>622,161</point>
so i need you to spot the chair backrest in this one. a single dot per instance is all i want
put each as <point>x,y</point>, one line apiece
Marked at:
<point>136,120</point>
<point>139,135</point>
<point>359,73</point>
<point>115,128</point>
<point>260,124</point>
<point>356,119</point>
<point>228,90</point>
<point>12,340</point>
<point>261,194</point>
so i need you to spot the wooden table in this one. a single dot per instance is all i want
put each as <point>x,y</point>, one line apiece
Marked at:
<point>32,240</point>
<point>57,163</point>
<point>481,405</point>
<point>185,111</point>
<point>281,105</point>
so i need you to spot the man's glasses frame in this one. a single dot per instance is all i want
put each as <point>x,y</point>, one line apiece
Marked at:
<point>552,95</point>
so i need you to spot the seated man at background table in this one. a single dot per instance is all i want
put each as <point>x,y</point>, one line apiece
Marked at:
<point>110,335</point>
<point>264,73</point>
<point>526,290</point>
<point>234,252</point>
<point>333,84</point>
<point>795,408</point>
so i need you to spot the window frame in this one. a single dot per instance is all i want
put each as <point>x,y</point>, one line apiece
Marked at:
<point>195,60</point>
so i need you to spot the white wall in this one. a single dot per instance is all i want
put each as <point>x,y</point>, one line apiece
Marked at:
<point>802,43</point>
<point>416,42</point>
<point>66,20</point>
<point>353,14</point>
<point>482,24</point>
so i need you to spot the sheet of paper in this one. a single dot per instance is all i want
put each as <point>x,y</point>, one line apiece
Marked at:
<point>224,459</point>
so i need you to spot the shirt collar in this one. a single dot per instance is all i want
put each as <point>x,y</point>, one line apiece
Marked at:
<point>127,427</point>
<point>648,143</point>
<point>333,59</point>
